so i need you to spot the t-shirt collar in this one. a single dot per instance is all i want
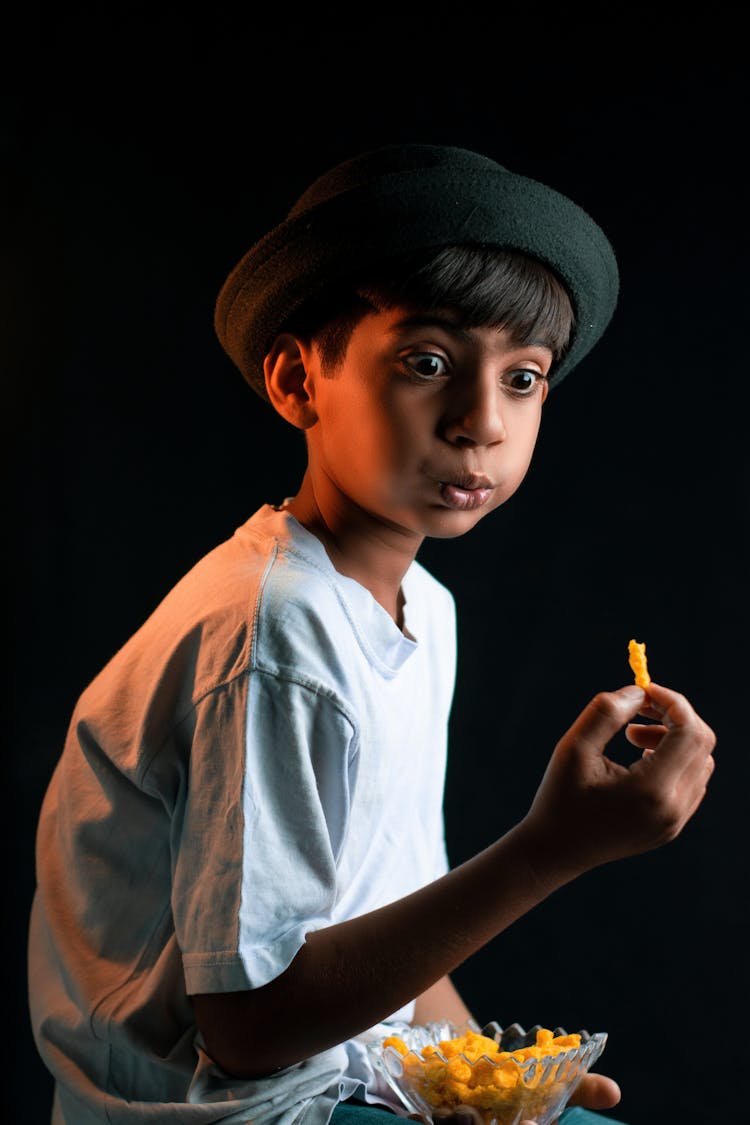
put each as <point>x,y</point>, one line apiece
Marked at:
<point>387,643</point>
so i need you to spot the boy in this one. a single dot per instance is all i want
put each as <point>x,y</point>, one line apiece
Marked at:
<point>241,850</point>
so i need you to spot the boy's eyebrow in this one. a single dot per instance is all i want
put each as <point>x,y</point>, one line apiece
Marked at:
<point>433,320</point>
<point>444,321</point>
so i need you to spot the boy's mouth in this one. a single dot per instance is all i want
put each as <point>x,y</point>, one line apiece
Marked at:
<point>466,493</point>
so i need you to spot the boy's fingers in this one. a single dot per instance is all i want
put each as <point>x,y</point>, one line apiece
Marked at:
<point>602,718</point>
<point>669,706</point>
<point>645,737</point>
<point>687,741</point>
<point>683,741</point>
<point>649,711</point>
<point>596,1091</point>
<point>461,1115</point>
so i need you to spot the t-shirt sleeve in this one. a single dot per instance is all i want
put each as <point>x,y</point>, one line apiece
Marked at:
<point>264,821</point>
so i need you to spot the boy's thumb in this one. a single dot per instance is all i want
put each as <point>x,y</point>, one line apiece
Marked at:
<point>601,719</point>
<point>632,695</point>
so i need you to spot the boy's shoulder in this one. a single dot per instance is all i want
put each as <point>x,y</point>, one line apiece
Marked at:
<point>269,598</point>
<point>201,629</point>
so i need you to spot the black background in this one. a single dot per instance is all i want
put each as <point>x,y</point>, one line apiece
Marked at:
<point>139,158</point>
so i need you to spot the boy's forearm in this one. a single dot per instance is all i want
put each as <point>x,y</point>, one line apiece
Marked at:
<point>441,1001</point>
<point>352,975</point>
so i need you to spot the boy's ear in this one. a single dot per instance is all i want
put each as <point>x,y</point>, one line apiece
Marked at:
<point>285,370</point>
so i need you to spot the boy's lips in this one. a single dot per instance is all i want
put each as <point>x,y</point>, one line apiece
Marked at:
<point>467,492</point>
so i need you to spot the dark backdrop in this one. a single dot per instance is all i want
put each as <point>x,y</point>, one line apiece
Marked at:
<point>139,160</point>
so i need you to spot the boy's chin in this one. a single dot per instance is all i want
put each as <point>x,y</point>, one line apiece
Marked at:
<point>453,525</point>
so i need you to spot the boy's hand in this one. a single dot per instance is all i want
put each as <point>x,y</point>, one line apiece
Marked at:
<point>596,1092</point>
<point>589,809</point>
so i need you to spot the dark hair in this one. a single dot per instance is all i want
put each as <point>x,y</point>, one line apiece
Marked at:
<point>486,286</point>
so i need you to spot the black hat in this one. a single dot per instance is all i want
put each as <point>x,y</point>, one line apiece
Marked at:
<point>402,198</point>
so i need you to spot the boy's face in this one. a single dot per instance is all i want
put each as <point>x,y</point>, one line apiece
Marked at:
<point>425,427</point>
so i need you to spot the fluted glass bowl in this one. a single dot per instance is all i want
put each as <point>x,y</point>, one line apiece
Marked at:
<point>508,1076</point>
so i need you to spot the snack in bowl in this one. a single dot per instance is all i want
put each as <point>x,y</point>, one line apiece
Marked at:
<point>507,1075</point>
<point>637,661</point>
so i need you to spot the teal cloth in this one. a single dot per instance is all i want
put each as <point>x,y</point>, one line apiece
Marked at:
<point>357,1113</point>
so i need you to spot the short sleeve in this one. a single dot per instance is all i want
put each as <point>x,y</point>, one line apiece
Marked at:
<point>265,818</point>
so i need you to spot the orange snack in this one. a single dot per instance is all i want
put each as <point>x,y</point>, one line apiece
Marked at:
<point>473,1070</point>
<point>637,661</point>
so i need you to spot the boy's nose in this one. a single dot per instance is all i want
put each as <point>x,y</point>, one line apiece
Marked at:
<point>474,415</point>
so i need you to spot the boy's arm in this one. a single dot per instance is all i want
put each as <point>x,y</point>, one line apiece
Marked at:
<point>350,976</point>
<point>587,811</point>
<point>441,1001</point>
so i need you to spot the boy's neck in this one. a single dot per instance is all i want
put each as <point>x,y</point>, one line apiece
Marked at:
<point>359,546</point>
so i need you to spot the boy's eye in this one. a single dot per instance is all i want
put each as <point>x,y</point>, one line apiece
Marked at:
<point>524,381</point>
<point>426,365</point>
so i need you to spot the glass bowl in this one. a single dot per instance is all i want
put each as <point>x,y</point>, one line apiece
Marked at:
<point>508,1076</point>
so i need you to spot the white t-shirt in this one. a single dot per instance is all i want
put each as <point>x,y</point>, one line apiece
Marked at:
<point>264,757</point>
